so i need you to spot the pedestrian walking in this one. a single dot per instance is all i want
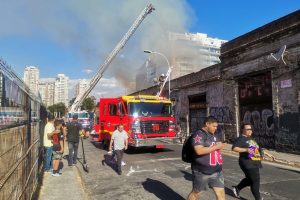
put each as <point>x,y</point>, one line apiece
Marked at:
<point>49,128</point>
<point>119,139</point>
<point>207,162</point>
<point>73,130</point>
<point>58,146</point>
<point>249,161</point>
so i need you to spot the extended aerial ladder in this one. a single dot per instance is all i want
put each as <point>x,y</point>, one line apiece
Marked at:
<point>79,99</point>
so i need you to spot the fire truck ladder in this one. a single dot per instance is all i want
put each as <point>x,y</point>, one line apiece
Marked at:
<point>79,99</point>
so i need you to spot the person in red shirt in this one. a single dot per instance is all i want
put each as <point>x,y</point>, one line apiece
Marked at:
<point>58,146</point>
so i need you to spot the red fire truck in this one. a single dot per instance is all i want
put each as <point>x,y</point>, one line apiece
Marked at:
<point>147,119</point>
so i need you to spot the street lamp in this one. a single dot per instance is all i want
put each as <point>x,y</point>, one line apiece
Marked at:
<point>168,76</point>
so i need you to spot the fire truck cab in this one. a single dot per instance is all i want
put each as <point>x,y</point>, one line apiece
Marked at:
<point>147,119</point>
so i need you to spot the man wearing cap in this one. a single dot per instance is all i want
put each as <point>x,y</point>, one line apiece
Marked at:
<point>73,130</point>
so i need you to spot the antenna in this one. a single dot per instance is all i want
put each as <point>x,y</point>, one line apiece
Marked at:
<point>279,55</point>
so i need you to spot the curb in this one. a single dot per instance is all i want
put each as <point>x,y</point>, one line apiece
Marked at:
<point>81,183</point>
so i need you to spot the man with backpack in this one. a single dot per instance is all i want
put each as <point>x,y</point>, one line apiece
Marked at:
<point>206,160</point>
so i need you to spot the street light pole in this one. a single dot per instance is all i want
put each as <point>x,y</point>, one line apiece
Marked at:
<point>169,69</point>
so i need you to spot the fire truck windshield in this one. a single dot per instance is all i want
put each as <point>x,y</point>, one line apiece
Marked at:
<point>144,109</point>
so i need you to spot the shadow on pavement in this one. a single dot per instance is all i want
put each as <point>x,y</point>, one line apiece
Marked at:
<point>161,190</point>
<point>187,176</point>
<point>144,150</point>
<point>109,161</point>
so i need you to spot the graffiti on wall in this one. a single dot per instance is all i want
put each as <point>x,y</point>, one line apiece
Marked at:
<point>255,97</point>
<point>222,114</point>
<point>263,125</point>
<point>255,89</point>
<point>289,133</point>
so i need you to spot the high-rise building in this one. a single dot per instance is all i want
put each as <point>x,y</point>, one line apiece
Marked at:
<point>46,89</point>
<point>31,78</point>
<point>61,90</point>
<point>80,86</point>
<point>186,53</point>
<point>192,52</point>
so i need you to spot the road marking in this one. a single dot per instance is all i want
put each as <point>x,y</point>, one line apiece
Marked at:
<point>131,171</point>
<point>155,160</point>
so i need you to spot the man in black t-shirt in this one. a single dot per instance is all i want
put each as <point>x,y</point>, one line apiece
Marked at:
<point>249,161</point>
<point>73,129</point>
<point>207,163</point>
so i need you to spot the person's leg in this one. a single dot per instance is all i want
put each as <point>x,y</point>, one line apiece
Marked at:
<point>75,152</point>
<point>216,181</point>
<point>119,160</point>
<point>198,185</point>
<point>71,149</point>
<point>220,193</point>
<point>48,158</point>
<point>244,182</point>
<point>193,195</point>
<point>55,166</point>
<point>255,182</point>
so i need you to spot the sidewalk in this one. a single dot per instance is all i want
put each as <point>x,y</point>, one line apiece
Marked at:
<point>66,186</point>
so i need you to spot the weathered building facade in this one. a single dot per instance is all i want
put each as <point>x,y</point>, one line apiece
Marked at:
<point>257,81</point>
<point>261,75</point>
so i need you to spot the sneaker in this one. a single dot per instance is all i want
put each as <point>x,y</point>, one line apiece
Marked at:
<point>123,163</point>
<point>56,174</point>
<point>235,192</point>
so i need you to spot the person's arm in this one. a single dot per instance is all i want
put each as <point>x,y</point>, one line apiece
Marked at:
<point>126,143</point>
<point>110,144</point>
<point>52,133</point>
<point>201,150</point>
<point>111,141</point>
<point>269,155</point>
<point>61,146</point>
<point>241,150</point>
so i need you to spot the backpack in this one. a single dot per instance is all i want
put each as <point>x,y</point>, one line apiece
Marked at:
<point>188,152</point>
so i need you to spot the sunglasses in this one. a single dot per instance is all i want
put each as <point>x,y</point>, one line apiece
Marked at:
<point>248,129</point>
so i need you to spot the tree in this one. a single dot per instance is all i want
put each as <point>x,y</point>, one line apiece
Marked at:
<point>58,109</point>
<point>88,104</point>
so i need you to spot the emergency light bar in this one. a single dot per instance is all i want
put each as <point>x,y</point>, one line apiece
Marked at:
<point>149,97</point>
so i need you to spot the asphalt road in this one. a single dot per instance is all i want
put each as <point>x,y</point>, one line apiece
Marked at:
<point>160,174</point>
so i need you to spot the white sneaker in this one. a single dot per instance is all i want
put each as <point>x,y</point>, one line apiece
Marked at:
<point>56,174</point>
<point>123,163</point>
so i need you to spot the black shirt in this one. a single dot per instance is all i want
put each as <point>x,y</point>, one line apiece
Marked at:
<point>247,160</point>
<point>73,129</point>
<point>208,163</point>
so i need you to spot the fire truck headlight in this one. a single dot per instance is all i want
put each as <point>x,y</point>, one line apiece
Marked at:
<point>135,127</point>
<point>135,115</point>
<point>171,126</point>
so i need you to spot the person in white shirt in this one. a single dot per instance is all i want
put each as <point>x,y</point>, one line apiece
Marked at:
<point>49,128</point>
<point>119,139</point>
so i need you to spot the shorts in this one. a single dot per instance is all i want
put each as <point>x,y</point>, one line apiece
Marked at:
<point>57,155</point>
<point>202,181</point>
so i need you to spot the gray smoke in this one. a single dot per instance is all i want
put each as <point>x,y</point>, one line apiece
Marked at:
<point>91,29</point>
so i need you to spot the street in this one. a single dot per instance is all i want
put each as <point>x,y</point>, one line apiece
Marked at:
<point>160,174</point>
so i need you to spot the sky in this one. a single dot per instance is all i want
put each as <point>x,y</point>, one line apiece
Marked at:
<point>74,37</point>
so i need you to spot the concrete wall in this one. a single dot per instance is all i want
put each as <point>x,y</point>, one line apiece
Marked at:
<point>250,54</point>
